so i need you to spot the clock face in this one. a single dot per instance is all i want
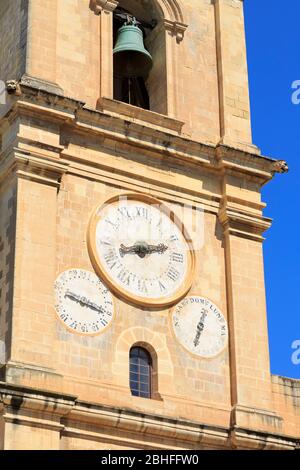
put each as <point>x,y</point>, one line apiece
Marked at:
<point>138,246</point>
<point>83,302</point>
<point>200,327</point>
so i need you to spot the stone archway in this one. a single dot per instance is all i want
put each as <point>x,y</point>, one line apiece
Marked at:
<point>161,84</point>
<point>172,9</point>
<point>171,12</point>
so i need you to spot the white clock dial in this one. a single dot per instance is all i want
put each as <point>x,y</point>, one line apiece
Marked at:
<point>83,302</point>
<point>141,250</point>
<point>200,327</point>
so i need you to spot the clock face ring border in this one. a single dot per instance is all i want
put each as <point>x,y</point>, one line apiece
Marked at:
<point>194,355</point>
<point>87,335</point>
<point>102,273</point>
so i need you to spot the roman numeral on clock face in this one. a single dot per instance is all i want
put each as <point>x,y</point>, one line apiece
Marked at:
<point>161,287</point>
<point>124,211</point>
<point>142,287</point>
<point>177,257</point>
<point>108,221</point>
<point>174,238</point>
<point>105,242</point>
<point>142,212</point>
<point>124,276</point>
<point>111,258</point>
<point>173,274</point>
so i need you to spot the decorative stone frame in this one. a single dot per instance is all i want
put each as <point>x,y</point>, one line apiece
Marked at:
<point>155,343</point>
<point>173,26</point>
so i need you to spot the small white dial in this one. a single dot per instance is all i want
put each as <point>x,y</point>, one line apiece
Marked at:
<point>83,302</point>
<point>200,327</point>
<point>141,250</point>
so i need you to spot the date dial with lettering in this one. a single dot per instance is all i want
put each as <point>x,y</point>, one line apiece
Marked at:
<point>83,302</point>
<point>200,327</point>
<point>141,249</point>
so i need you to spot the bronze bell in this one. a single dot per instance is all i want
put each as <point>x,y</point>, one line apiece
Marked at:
<point>131,59</point>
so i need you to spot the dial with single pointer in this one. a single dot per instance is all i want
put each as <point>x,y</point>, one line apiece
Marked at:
<point>141,250</point>
<point>199,326</point>
<point>83,302</point>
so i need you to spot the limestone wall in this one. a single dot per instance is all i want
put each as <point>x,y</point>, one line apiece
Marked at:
<point>286,394</point>
<point>67,44</point>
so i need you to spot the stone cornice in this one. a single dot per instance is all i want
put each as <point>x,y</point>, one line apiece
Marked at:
<point>240,161</point>
<point>65,413</point>
<point>41,84</point>
<point>33,167</point>
<point>287,387</point>
<point>243,224</point>
<point>242,438</point>
<point>136,133</point>
<point>156,426</point>
<point>15,397</point>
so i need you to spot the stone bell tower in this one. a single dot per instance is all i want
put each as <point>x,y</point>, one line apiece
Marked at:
<point>103,346</point>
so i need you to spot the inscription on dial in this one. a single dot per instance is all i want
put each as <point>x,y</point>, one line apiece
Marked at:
<point>141,249</point>
<point>200,327</point>
<point>83,302</point>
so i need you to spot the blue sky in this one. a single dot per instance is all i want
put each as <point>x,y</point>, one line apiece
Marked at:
<point>273,37</point>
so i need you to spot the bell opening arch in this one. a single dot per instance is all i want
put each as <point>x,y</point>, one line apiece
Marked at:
<point>162,41</point>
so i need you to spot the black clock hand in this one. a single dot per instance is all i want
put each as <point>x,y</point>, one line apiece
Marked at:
<point>160,248</point>
<point>142,249</point>
<point>83,301</point>
<point>72,296</point>
<point>95,307</point>
<point>200,328</point>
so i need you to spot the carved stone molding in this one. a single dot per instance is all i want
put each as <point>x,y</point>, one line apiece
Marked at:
<point>242,438</point>
<point>176,29</point>
<point>171,11</point>
<point>64,413</point>
<point>244,224</point>
<point>42,85</point>
<point>35,168</point>
<point>97,6</point>
<point>65,111</point>
<point>34,408</point>
<point>263,168</point>
<point>118,108</point>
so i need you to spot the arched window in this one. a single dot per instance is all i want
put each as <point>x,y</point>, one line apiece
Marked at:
<point>163,28</point>
<point>140,372</point>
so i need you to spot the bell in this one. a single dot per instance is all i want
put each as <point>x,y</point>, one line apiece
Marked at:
<point>131,59</point>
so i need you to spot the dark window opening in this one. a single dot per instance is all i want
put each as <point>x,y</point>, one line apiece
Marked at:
<point>129,90</point>
<point>140,372</point>
<point>132,91</point>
